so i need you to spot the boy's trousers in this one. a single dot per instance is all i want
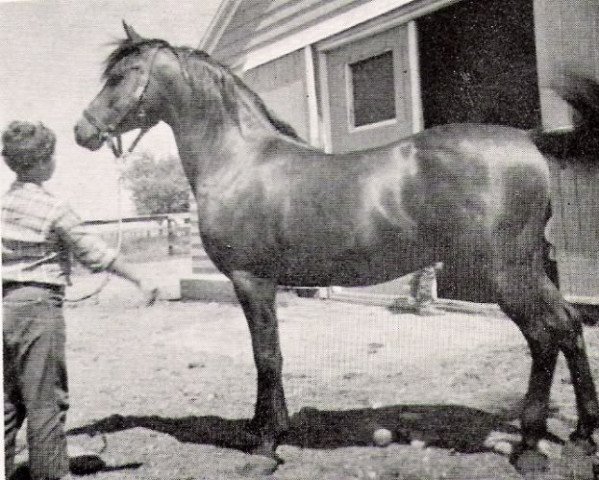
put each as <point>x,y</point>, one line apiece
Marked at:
<point>35,378</point>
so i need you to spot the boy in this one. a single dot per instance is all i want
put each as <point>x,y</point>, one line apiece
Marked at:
<point>39,234</point>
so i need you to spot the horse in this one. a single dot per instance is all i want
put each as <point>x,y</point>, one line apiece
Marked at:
<point>273,211</point>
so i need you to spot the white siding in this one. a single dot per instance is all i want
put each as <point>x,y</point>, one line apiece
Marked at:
<point>281,84</point>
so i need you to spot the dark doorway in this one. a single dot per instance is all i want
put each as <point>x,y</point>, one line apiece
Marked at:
<point>478,64</point>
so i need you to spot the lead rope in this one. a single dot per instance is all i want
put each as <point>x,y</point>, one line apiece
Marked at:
<point>120,158</point>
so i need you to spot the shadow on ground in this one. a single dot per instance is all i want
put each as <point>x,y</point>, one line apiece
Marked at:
<point>458,428</point>
<point>22,471</point>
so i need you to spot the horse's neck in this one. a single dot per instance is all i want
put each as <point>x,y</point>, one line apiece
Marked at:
<point>207,152</point>
<point>210,142</point>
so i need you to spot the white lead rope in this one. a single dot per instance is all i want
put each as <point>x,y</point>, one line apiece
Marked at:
<point>119,241</point>
<point>120,159</point>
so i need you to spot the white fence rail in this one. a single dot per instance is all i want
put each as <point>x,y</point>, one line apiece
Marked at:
<point>172,227</point>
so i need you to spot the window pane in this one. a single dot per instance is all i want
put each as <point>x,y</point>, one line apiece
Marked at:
<point>373,89</point>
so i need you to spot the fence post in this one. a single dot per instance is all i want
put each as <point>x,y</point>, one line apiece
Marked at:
<point>170,234</point>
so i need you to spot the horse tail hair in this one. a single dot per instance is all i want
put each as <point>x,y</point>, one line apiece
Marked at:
<point>582,93</point>
<point>582,140</point>
<point>576,144</point>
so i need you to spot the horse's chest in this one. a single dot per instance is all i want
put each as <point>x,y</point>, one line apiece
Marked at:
<point>241,220</point>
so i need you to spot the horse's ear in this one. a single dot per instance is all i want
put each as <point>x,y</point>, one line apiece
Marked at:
<point>132,35</point>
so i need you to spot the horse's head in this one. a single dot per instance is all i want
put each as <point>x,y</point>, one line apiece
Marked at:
<point>148,80</point>
<point>130,98</point>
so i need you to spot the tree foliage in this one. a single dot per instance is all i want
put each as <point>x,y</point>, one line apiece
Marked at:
<point>157,186</point>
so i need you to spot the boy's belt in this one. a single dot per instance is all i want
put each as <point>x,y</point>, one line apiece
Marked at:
<point>8,286</point>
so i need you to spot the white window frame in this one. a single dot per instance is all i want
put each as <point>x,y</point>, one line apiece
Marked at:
<point>349,88</point>
<point>325,48</point>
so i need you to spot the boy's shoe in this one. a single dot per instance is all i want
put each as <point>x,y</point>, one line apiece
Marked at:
<point>84,462</point>
<point>21,473</point>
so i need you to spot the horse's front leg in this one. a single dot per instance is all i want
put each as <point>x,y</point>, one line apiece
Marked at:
<point>271,419</point>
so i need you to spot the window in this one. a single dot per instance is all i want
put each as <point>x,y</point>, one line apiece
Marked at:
<point>367,95</point>
<point>373,90</point>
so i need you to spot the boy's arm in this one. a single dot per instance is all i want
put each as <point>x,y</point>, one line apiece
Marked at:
<point>123,270</point>
<point>93,252</point>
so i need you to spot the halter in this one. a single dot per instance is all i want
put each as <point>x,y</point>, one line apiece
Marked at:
<point>107,129</point>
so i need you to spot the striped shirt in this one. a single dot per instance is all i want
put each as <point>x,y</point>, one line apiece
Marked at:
<point>39,234</point>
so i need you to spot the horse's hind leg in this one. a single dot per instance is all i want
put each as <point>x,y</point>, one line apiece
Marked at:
<point>582,380</point>
<point>271,419</point>
<point>563,319</point>
<point>549,325</point>
<point>544,351</point>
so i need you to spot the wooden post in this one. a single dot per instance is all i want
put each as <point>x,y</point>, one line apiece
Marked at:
<point>171,235</point>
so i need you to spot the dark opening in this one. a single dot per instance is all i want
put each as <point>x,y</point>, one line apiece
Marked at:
<point>373,89</point>
<point>478,64</point>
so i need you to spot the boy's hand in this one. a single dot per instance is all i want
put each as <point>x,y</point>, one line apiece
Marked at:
<point>150,292</point>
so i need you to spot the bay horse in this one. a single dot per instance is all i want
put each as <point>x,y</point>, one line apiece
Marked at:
<point>275,211</point>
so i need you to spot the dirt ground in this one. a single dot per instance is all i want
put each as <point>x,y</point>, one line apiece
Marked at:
<point>164,392</point>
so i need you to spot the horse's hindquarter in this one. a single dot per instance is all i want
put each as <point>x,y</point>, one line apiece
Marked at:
<point>472,174</point>
<point>485,194</point>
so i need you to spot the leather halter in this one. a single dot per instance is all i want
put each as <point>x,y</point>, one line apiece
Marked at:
<point>107,129</point>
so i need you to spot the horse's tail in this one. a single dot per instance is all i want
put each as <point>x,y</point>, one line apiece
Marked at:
<point>582,140</point>
<point>582,92</point>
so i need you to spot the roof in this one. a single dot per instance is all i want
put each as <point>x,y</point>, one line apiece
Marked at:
<point>265,29</point>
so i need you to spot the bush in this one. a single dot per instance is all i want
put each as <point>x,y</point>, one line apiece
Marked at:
<point>157,186</point>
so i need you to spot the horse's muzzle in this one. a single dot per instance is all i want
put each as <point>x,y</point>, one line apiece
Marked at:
<point>87,135</point>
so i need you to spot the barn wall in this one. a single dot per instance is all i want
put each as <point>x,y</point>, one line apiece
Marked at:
<point>282,85</point>
<point>574,229</point>
<point>337,103</point>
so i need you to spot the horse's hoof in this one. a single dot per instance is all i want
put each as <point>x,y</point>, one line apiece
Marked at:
<point>258,465</point>
<point>579,461</point>
<point>529,461</point>
<point>255,425</point>
<point>268,450</point>
<point>86,464</point>
<point>586,446</point>
<point>264,445</point>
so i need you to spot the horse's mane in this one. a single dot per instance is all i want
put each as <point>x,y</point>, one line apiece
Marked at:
<point>128,47</point>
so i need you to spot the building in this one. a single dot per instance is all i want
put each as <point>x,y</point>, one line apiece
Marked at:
<point>354,74</point>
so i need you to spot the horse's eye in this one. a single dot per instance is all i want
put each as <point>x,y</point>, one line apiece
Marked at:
<point>114,80</point>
